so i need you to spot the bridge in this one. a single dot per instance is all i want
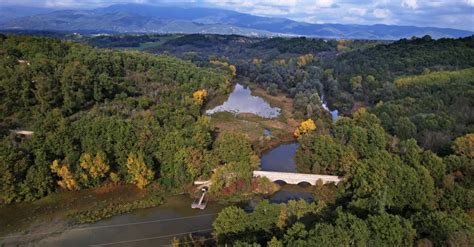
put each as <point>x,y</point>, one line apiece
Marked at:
<point>296,178</point>
<point>22,132</point>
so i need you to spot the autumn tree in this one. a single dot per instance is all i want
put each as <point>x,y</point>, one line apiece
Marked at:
<point>93,169</point>
<point>199,96</point>
<point>138,172</point>
<point>67,178</point>
<point>464,146</point>
<point>304,128</point>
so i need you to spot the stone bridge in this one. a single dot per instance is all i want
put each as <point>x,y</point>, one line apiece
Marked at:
<point>296,178</point>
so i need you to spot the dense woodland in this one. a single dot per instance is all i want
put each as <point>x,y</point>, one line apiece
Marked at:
<point>394,194</point>
<point>404,143</point>
<point>99,116</point>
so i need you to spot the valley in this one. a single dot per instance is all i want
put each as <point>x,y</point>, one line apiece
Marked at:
<point>122,125</point>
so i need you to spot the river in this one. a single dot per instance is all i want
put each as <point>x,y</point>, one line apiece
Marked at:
<point>157,226</point>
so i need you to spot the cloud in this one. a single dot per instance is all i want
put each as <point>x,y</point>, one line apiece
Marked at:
<point>412,4</point>
<point>381,13</point>
<point>469,2</point>
<point>440,13</point>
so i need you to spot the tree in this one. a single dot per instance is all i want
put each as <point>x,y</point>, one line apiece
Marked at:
<point>304,128</point>
<point>464,146</point>
<point>234,147</point>
<point>390,230</point>
<point>138,172</point>
<point>274,242</point>
<point>231,220</point>
<point>320,154</point>
<point>328,235</point>
<point>265,216</point>
<point>67,178</point>
<point>199,96</point>
<point>434,164</point>
<point>296,235</point>
<point>93,169</point>
<point>404,128</point>
<point>440,226</point>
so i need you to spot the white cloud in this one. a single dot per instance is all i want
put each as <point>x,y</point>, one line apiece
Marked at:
<point>442,13</point>
<point>358,11</point>
<point>324,3</point>
<point>469,2</point>
<point>412,4</point>
<point>381,13</point>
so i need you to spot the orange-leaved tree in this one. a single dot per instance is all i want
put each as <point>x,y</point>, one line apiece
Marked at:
<point>93,169</point>
<point>139,173</point>
<point>304,128</point>
<point>199,96</point>
<point>67,179</point>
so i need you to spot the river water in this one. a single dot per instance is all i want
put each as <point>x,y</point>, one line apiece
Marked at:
<point>334,113</point>
<point>241,100</point>
<point>157,226</point>
<point>144,227</point>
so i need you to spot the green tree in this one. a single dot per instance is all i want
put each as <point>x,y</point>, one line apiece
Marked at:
<point>390,230</point>
<point>231,220</point>
<point>404,128</point>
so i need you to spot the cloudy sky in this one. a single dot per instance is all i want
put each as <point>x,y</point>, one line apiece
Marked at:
<point>439,13</point>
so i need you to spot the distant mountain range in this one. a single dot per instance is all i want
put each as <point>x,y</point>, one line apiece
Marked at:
<point>138,18</point>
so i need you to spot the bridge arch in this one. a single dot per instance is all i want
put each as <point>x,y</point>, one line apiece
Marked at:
<point>304,184</point>
<point>280,182</point>
<point>296,178</point>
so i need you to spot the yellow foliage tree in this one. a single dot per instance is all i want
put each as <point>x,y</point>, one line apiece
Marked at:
<point>233,70</point>
<point>67,179</point>
<point>140,174</point>
<point>230,67</point>
<point>464,146</point>
<point>304,59</point>
<point>199,96</point>
<point>93,168</point>
<point>304,128</point>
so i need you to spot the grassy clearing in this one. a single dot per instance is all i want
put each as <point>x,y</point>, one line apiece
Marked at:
<point>253,126</point>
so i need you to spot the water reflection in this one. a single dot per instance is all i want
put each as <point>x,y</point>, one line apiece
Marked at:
<point>292,192</point>
<point>241,101</point>
<point>144,227</point>
<point>280,159</point>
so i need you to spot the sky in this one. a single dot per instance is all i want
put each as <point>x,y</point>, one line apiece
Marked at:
<point>457,14</point>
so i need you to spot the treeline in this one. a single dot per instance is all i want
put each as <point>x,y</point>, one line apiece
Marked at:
<point>405,57</point>
<point>366,76</point>
<point>99,116</point>
<point>434,108</point>
<point>114,41</point>
<point>433,113</point>
<point>278,65</point>
<point>299,45</point>
<point>394,193</point>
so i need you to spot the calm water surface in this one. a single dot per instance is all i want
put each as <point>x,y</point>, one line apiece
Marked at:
<point>144,227</point>
<point>242,101</point>
<point>280,159</point>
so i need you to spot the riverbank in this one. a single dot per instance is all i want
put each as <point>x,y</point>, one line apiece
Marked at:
<point>155,226</point>
<point>67,208</point>
<point>264,133</point>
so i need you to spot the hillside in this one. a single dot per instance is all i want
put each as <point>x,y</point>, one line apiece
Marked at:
<point>136,18</point>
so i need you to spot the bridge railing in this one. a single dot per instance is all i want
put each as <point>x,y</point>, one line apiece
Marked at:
<point>296,178</point>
